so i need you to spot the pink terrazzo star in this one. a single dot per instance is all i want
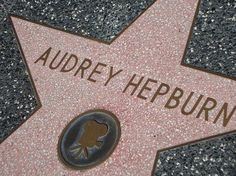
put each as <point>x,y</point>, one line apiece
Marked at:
<point>152,47</point>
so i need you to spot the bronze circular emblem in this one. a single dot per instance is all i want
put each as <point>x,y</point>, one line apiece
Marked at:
<point>89,139</point>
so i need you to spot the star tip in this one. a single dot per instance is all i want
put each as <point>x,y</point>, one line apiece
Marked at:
<point>12,17</point>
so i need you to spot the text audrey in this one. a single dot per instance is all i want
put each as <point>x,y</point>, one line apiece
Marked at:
<point>139,86</point>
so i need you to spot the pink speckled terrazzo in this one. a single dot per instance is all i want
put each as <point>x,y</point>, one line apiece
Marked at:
<point>152,47</point>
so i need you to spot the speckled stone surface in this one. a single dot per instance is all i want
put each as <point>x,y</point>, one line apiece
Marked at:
<point>213,43</point>
<point>64,95</point>
<point>101,19</point>
<point>21,96</point>
<point>216,157</point>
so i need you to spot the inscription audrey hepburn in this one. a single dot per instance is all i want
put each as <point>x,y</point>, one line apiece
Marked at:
<point>139,86</point>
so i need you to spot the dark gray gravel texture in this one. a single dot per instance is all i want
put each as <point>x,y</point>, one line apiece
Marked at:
<point>212,47</point>
<point>213,43</point>
<point>216,157</point>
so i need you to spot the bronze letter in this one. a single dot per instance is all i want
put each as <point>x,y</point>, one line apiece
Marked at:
<point>72,56</point>
<point>175,98</point>
<point>55,67</point>
<point>111,75</point>
<point>145,87</point>
<point>96,71</point>
<point>44,57</point>
<point>224,111</point>
<point>187,101</point>
<point>158,92</point>
<point>133,84</point>
<point>83,67</point>
<point>207,109</point>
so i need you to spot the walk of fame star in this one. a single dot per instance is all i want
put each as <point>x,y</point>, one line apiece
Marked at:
<point>152,46</point>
